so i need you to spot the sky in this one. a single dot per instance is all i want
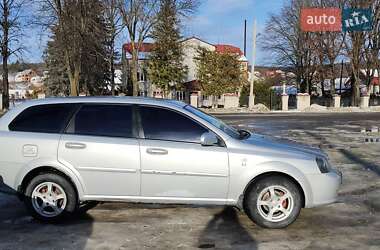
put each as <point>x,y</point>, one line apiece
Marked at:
<point>216,21</point>
<point>222,21</point>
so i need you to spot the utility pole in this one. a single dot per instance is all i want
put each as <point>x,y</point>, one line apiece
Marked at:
<point>251,96</point>
<point>245,37</point>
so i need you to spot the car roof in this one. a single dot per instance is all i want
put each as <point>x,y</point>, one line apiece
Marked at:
<point>10,115</point>
<point>106,99</point>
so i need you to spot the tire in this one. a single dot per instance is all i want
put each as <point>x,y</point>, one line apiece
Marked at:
<point>273,202</point>
<point>50,198</point>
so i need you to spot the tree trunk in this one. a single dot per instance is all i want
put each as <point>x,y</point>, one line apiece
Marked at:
<point>124,75</point>
<point>332,81</point>
<point>112,68</point>
<point>5,55</point>
<point>73,76</point>
<point>355,90</point>
<point>5,83</point>
<point>323,87</point>
<point>112,79</point>
<point>74,82</point>
<point>134,70</point>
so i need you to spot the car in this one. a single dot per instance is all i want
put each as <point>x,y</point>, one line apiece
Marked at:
<point>60,154</point>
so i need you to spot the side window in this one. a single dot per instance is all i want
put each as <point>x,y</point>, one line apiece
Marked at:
<point>163,124</point>
<point>103,120</point>
<point>51,118</point>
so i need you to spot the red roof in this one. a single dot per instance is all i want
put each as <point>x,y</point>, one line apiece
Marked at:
<point>224,48</point>
<point>145,47</point>
<point>221,48</point>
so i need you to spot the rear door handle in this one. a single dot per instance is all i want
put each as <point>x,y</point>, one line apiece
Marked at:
<point>75,145</point>
<point>157,151</point>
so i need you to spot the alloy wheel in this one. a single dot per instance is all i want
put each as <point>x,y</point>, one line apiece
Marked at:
<point>275,203</point>
<point>49,199</point>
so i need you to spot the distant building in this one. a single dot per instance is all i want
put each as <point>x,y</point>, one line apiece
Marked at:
<point>37,81</point>
<point>19,91</point>
<point>25,76</point>
<point>190,47</point>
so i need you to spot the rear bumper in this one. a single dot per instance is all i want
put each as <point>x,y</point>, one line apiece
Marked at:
<point>324,188</point>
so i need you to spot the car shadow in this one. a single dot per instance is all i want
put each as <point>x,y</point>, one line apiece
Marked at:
<point>18,230</point>
<point>365,164</point>
<point>348,154</point>
<point>225,231</point>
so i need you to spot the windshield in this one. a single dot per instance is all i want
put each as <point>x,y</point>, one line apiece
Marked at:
<point>214,121</point>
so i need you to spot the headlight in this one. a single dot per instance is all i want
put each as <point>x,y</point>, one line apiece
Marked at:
<point>323,165</point>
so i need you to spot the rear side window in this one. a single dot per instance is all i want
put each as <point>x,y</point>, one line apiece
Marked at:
<point>164,124</point>
<point>51,118</point>
<point>103,120</point>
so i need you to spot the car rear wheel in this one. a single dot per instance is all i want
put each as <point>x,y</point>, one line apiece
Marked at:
<point>273,202</point>
<point>50,197</point>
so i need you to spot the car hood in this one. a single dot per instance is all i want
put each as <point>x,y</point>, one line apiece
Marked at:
<point>283,145</point>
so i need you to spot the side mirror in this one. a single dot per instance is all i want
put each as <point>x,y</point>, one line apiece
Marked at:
<point>209,139</point>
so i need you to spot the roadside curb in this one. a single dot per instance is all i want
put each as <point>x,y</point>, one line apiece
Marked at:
<point>291,112</point>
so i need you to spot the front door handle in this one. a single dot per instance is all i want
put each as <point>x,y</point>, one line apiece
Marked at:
<point>157,151</point>
<point>75,145</point>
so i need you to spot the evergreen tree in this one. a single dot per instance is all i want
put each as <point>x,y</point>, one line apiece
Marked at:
<point>57,82</point>
<point>165,68</point>
<point>218,73</point>
<point>82,50</point>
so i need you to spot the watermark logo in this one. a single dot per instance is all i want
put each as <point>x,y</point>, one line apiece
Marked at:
<point>357,20</point>
<point>321,19</point>
<point>335,19</point>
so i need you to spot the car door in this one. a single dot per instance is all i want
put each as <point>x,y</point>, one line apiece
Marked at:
<point>174,163</point>
<point>100,142</point>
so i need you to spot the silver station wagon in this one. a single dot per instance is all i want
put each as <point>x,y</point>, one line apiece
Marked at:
<point>62,154</point>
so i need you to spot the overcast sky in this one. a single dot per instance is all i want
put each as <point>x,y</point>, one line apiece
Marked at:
<point>216,21</point>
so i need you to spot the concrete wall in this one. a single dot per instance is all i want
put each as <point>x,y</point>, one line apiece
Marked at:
<point>303,101</point>
<point>336,101</point>
<point>284,102</point>
<point>194,100</point>
<point>364,102</point>
<point>231,101</point>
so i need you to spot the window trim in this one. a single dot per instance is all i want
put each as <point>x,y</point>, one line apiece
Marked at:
<point>63,126</point>
<point>141,128</point>
<point>135,131</point>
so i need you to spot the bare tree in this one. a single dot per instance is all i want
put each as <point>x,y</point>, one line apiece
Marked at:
<point>11,24</point>
<point>115,26</point>
<point>71,21</point>
<point>372,45</point>
<point>328,47</point>
<point>290,45</point>
<point>139,17</point>
<point>354,46</point>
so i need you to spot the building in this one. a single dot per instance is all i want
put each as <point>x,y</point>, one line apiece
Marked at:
<point>19,91</point>
<point>191,86</point>
<point>25,76</point>
<point>374,86</point>
<point>37,81</point>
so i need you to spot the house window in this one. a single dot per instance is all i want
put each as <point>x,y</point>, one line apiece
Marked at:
<point>141,76</point>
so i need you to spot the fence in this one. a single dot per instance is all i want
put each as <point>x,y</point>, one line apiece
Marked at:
<point>374,101</point>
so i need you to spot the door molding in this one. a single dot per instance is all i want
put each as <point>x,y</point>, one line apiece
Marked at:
<point>148,171</point>
<point>119,170</point>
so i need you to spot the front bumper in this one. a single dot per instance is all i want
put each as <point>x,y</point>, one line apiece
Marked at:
<point>324,188</point>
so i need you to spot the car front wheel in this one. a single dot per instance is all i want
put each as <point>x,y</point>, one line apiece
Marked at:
<point>273,202</point>
<point>50,197</point>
